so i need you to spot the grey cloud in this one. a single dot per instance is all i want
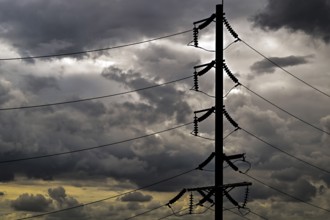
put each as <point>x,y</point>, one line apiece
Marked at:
<point>57,194</point>
<point>264,66</point>
<point>167,99</point>
<point>35,84</point>
<point>288,174</point>
<point>40,27</point>
<point>61,201</point>
<point>310,17</point>
<point>136,197</point>
<point>34,203</point>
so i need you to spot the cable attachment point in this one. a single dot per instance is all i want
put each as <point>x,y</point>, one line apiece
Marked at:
<point>229,28</point>
<point>230,119</point>
<point>206,197</point>
<point>205,21</point>
<point>207,68</point>
<point>229,73</point>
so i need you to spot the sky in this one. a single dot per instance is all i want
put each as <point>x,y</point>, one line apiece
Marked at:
<point>292,33</point>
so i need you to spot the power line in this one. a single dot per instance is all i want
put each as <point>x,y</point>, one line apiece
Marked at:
<point>92,148</point>
<point>94,50</point>
<point>177,212</point>
<point>285,152</point>
<point>93,98</point>
<point>296,117</point>
<point>146,212</point>
<point>174,213</point>
<point>286,71</point>
<point>287,194</point>
<point>249,211</point>
<point>242,216</point>
<point>108,198</point>
<point>260,216</point>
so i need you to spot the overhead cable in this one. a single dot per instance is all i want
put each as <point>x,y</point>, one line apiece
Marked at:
<point>90,148</point>
<point>146,212</point>
<point>287,194</point>
<point>285,152</point>
<point>93,98</point>
<point>94,50</point>
<point>286,71</point>
<point>108,198</point>
<point>280,108</point>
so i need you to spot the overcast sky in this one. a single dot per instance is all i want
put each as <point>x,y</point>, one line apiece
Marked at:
<point>294,34</point>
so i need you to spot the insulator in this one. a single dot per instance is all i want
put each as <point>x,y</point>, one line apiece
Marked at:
<point>207,161</point>
<point>196,81</point>
<point>230,119</point>
<point>229,73</point>
<point>195,125</point>
<point>231,199</point>
<point>195,36</point>
<point>246,197</point>
<point>191,203</point>
<point>232,165</point>
<point>177,197</point>
<point>229,28</point>
<point>206,115</point>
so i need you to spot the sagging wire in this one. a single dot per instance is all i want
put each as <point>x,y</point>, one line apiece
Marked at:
<point>233,131</point>
<point>203,48</point>
<point>176,213</point>
<point>225,96</point>
<point>230,210</point>
<point>244,161</point>
<point>235,41</point>
<point>199,136</point>
<point>211,96</point>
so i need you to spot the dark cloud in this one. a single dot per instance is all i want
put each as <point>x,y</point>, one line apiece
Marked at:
<point>35,84</point>
<point>40,27</point>
<point>136,197</point>
<point>310,17</point>
<point>6,175</point>
<point>33,203</point>
<point>264,66</point>
<point>169,100</point>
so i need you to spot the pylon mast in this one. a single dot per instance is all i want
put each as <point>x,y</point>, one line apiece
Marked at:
<point>218,115</point>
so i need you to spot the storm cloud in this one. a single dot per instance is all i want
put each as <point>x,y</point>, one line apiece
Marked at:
<point>310,17</point>
<point>265,66</point>
<point>39,27</point>
<point>34,203</point>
